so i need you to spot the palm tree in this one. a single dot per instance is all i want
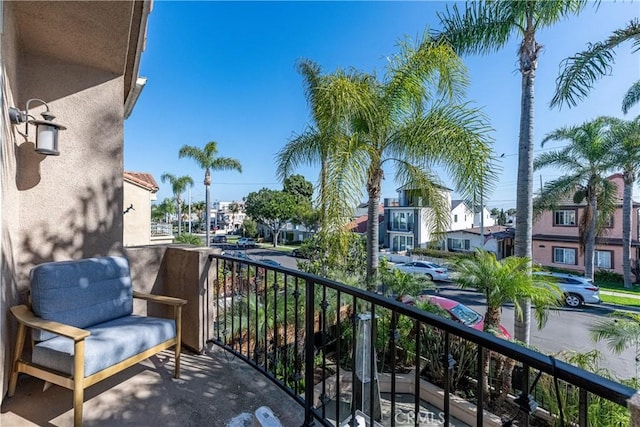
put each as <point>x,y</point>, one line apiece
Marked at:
<point>178,185</point>
<point>199,209</point>
<point>579,72</point>
<point>585,160</point>
<point>631,98</point>
<point>486,27</point>
<point>620,333</point>
<point>314,145</point>
<point>207,159</point>
<point>410,121</point>
<point>626,139</point>
<point>234,208</point>
<point>502,282</point>
<point>162,211</point>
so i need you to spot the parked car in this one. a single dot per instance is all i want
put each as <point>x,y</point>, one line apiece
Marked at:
<point>246,242</point>
<point>432,270</point>
<point>297,253</point>
<point>219,239</point>
<point>239,254</point>
<point>271,262</point>
<point>577,290</point>
<point>461,313</point>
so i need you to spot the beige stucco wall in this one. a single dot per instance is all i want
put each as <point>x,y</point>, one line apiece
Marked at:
<point>63,207</point>
<point>137,221</point>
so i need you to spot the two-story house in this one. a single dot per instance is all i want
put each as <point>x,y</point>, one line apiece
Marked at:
<point>556,237</point>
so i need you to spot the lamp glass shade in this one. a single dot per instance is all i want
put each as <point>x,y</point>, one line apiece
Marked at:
<point>47,139</point>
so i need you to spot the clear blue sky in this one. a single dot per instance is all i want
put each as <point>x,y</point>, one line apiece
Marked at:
<point>225,71</point>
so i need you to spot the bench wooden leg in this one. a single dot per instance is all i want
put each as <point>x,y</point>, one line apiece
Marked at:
<point>178,316</point>
<point>13,380</point>
<point>78,382</point>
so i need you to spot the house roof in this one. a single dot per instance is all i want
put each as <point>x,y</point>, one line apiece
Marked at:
<point>142,179</point>
<point>496,230</point>
<point>359,225</point>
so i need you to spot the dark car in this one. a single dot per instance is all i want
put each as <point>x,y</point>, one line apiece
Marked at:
<point>297,253</point>
<point>219,239</point>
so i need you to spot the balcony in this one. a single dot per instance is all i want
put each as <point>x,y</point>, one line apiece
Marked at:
<point>302,345</point>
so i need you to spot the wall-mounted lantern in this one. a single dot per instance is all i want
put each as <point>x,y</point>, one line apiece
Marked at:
<point>46,129</point>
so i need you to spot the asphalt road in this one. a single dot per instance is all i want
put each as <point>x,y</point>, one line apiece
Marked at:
<point>566,330</point>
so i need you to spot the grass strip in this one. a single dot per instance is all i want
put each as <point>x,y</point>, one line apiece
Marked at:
<point>620,300</point>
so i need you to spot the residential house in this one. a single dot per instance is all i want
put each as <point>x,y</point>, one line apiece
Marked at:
<point>139,191</point>
<point>81,59</point>
<point>406,223</point>
<point>556,237</point>
<point>463,216</point>
<point>497,239</point>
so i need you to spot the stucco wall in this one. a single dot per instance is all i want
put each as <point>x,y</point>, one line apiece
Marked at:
<point>137,221</point>
<point>63,207</point>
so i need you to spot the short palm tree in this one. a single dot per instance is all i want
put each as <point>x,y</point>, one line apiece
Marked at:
<point>626,140</point>
<point>207,159</point>
<point>178,185</point>
<point>502,282</point>
<point>579,73</point>
<point>586,161</point>
<point>162,211</point>
<point>411,121</point>
<point>620,333</point>
<point>486,27</point>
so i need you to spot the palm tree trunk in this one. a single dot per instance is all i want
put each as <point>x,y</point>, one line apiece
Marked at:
<point>590,238</point>
<point>324,210</point>
<point>179,216</point>
<point>626,229</point>
<point>373,188</point>
<point>207,207</point>
<point>524,197</point>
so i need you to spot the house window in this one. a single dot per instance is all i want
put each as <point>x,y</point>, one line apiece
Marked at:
<point>458,244</point>
<point>603,259</point>
<point>402,243</point>
<point>564,256</point>
<point>455,218</point>
<point>401,221</point>
<point>565,217</point>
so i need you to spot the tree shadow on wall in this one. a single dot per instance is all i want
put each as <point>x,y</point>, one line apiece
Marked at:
<point>92,226</point>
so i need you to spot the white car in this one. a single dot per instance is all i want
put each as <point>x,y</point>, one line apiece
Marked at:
<point>246,242</point>
<point>432,270</point>
<point>577,290</point>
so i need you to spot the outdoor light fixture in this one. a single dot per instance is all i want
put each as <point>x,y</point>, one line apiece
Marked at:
<point>46,129</point>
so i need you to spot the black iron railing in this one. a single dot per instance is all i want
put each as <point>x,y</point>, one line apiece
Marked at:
<point>335,348</point>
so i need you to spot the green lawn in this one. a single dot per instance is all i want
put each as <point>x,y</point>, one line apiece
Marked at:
<point>620,300</point>
<point>618,287</point>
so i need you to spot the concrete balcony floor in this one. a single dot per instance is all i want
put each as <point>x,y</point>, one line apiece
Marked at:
<point>213,390</point>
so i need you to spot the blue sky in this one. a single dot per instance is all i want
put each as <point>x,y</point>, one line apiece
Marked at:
<point>225,71</point>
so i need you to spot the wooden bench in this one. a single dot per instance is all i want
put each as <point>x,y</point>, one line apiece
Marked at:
<point>83,326</point>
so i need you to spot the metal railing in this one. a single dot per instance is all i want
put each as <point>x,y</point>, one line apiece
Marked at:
<point>302,331</point>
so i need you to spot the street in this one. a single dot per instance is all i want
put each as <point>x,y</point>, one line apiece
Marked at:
<point>567,329</point>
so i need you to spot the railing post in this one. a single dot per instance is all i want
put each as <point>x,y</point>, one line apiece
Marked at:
<point>309,327</point>
<point>634,408</point>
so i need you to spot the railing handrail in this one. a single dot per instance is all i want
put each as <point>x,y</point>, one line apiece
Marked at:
<point>589,381</point>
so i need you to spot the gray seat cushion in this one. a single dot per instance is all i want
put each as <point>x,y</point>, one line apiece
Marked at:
<point>81,293</point>
<point>109,343</point>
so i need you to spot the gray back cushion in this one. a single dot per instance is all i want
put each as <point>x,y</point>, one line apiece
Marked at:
<point>82,292</point>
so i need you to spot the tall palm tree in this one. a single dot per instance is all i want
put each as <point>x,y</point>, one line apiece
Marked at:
<point>486,27</point>
<point>585,161</point>
<point>207,158</point>
<point>315,143</point>
<point>579,73</point>
<point>178,185</point>
<point>502,282</point>
<point>626,140</point>
<point>411,121</point>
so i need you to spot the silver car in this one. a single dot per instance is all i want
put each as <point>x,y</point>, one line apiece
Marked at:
<point>577,290</point>
<point>432,270</point>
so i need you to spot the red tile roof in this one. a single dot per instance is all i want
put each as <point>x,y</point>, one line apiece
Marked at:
<point>142,179</point>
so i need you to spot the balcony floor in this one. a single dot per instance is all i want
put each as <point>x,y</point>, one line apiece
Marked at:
<point>213,390</point>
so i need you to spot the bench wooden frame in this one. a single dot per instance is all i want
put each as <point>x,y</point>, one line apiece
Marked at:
<point>78,382</point>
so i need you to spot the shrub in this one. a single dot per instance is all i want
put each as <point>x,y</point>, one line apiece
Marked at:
<point>606,276</point>
<point>189,239</point>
